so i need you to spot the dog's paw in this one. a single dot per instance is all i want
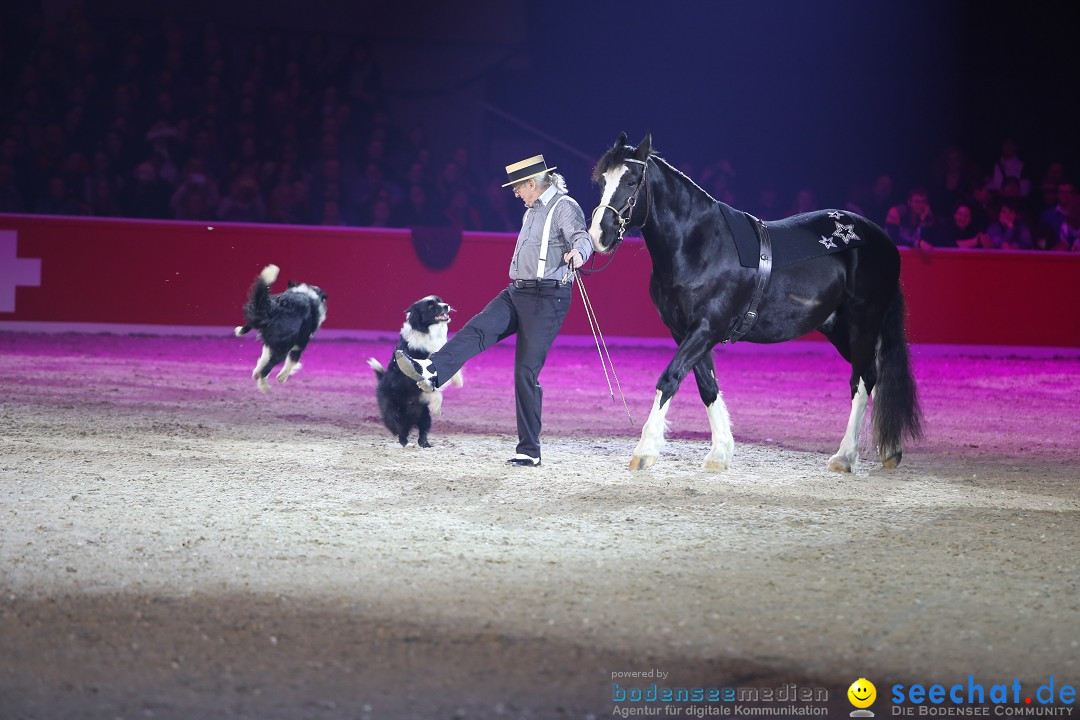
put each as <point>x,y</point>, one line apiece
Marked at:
<point>239,331</point>
<point>263,385</point>
<point>287,371</point>
<point>458,380</point>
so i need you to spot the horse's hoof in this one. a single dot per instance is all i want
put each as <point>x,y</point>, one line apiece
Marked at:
<point>642,462</point>
<point>839,463</point>
<point>717,460</point>
<point>892,461</point>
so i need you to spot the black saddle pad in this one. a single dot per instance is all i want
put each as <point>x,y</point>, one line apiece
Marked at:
<point>799,237</point>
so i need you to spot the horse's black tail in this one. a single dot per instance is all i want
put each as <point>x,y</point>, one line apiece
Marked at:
<point>896,412</point>
<point>257,308</point>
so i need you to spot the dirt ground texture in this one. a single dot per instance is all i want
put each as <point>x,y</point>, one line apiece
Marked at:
<point>175,544</point>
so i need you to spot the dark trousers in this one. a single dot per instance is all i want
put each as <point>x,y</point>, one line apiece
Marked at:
<point>535,315</point>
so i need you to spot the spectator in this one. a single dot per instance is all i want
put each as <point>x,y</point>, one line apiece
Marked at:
<point>418,211</point>
<point>102,200</point>
<point>461,214</point>
<point>147,196</point>
<point>1053,217</point>
<point>1070,229</point>
<point>58,200</point>
<point>804,202</point>
<point>913,224</point>
<point>497,214</point>
<point>196,203</point>
<point>962,231</point>
<point>1009,231</point>
<point>11,200</point>
<point>769,205</point>
<point>1009,165</point>
<point>983,202</point>
<point>331,213</point>
<point>953,179</point>
<point>1010,193</point>
<point>380,214</point>
<point>362,79</point>
<point>195,180</point>
<point>244,203</point>
<point>881,199</point>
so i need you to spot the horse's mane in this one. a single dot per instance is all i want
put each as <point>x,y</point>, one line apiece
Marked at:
<point>618,155</point>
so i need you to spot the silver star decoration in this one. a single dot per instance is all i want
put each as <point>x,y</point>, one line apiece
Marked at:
<point>836,214</point>
<point>845,232</point>
<point>827,242</point>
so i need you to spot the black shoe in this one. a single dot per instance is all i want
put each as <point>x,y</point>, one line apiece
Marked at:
<point>416,370</point>
<point>522,460</point>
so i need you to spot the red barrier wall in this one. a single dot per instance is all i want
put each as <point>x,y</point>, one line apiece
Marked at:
<point>108,271</point>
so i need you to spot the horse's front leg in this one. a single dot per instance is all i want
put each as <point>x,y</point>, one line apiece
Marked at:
<point>689,354</point>
<point>723,444</point>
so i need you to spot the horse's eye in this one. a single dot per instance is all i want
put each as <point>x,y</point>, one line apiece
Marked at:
<point>631,182</point>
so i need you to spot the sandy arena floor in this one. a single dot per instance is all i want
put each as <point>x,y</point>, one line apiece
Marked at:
<point>174,544</point>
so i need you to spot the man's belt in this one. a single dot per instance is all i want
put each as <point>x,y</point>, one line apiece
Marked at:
<point>522,284</point>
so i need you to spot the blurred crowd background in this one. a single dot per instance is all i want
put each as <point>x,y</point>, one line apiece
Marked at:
<point>231,115</point>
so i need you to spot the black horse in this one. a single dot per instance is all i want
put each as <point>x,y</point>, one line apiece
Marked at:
<point>720,275</point>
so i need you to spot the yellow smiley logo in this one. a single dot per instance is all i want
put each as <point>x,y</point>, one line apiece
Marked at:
<point>862,693</point>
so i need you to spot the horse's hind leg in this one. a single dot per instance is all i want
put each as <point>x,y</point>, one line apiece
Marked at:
<point>848,454</point>
<point>857,347</point>
<point>723,445</point>
<point>690,352</point>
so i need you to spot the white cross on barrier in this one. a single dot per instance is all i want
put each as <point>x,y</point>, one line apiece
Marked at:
<point>15,271</point>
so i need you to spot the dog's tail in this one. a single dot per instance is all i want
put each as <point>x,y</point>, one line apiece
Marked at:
<point>376,366</point>
<point>257,309</point>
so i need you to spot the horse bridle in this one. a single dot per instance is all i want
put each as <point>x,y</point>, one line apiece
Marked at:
<point>629,205</point>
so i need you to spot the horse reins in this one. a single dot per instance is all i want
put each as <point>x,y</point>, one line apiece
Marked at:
<point>598,339</point>
<point>590,312</point>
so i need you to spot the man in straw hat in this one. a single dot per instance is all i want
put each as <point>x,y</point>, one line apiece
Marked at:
<point>552,241</point>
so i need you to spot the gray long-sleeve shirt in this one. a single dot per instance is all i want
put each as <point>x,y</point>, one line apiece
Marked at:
<point>568,232</point>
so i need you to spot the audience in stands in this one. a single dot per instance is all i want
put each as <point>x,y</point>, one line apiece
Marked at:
<point>204,123</point>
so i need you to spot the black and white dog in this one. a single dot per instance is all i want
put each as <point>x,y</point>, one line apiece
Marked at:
<point>285,323</point>
<point>402,405</point>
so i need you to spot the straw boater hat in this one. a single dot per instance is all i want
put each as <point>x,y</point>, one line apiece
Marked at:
<point>522,171</point>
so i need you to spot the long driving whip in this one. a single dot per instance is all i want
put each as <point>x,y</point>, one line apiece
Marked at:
<point>598,338</point>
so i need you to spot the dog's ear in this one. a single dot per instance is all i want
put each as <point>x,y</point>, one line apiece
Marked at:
<point>292,284</point>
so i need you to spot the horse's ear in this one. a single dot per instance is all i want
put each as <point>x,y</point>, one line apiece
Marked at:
<point>621,140</point>
<point>644,148</point>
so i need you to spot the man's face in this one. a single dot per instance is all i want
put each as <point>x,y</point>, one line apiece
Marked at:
<point>527,191</point>
<point>919,204</point>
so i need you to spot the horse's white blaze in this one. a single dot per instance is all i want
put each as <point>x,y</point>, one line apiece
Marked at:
<point>848,453</point>
<point>723,444</point>
<point>652,434</point>
<point>611,183</point>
